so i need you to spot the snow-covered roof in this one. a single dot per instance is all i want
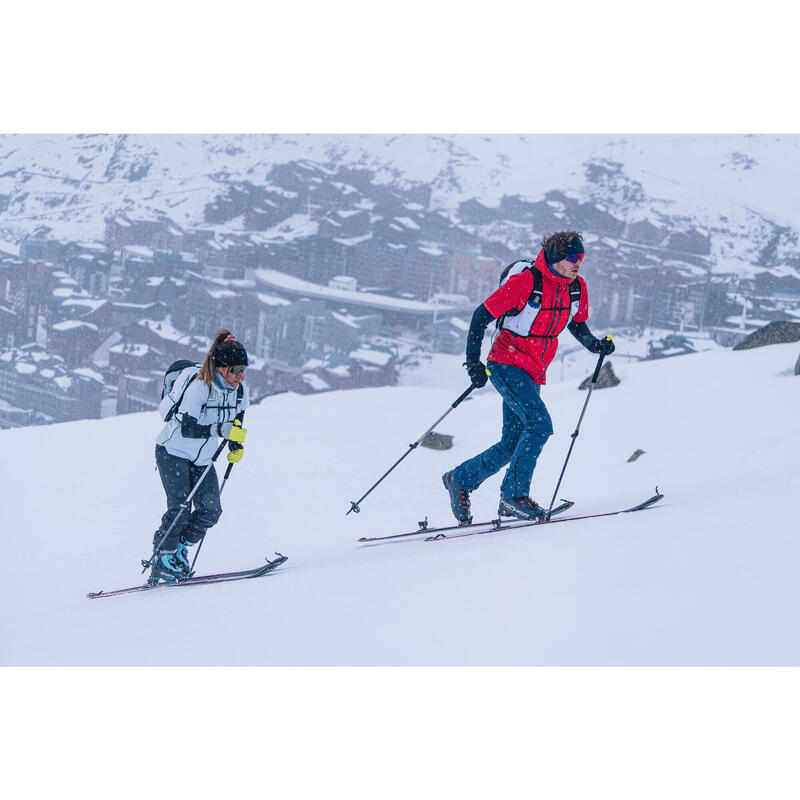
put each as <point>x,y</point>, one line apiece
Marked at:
<point>376,357</point>
<point>90,302</point>
<point>137,350</point>
<point>165,330</point>
<point>293,285</point>
<point>347,319</point>
<point>71,324</point>
<point>315,382</point>
<point>346,188</point>
<point>138,250</point>
<point>272,300</point>
<point>353,240</point>
<point>10,248</point>
<point>221,294</point>
<point>87,372</point>
<point>9,409</point>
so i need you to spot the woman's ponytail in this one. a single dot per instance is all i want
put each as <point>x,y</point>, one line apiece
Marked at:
<point>206,373</point>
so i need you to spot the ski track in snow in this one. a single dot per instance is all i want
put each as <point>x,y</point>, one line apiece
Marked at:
<point>709,576</point>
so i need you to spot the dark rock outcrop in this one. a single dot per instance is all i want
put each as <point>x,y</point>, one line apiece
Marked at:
<point>605,379</point>
<point>779,332</point>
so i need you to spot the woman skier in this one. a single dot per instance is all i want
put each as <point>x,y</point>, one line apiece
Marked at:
<point>536,301</point>
<point>206,404</point>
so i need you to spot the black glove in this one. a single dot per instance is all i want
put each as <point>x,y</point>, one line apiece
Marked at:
<point>604,346</point>
<point>477,373</point>
<point>234,446</point>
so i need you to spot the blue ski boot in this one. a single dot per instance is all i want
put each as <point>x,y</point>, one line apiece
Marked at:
<point>171,565</point>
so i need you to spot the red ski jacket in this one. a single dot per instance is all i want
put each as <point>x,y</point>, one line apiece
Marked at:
<point>534,352</point>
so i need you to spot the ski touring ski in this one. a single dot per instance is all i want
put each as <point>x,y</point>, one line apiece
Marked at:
<point>423,525</point>
<point>439,537</point>
<point>220,577</point>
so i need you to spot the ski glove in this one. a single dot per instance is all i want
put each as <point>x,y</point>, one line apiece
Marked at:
<point>237,433</point>
<point>236,453</point>
<point>604,346</point>
<point>477,373</point>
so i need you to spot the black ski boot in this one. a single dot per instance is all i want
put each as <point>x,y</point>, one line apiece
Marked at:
<point>521,508</point>
<point>459,499</point>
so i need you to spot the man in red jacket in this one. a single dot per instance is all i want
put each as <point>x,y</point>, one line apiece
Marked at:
<point>536,301</point>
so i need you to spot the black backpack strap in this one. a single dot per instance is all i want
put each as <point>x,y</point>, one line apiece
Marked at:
<point>536,294</point>
<point>575,291</point>
<point>178,402</point>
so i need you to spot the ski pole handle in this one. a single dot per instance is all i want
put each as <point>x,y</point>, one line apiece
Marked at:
<point>600,362</point>
<point>463,396</point>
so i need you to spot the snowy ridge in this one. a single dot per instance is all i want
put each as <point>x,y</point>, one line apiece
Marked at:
<point>706,577</point>
<point>727,184</point>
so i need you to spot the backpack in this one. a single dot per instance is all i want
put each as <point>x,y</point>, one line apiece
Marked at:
<point>177,378</point>
<point>535,299</point>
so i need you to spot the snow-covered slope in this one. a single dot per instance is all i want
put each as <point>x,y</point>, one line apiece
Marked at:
<point>707,577</point>
<point>69,184</point>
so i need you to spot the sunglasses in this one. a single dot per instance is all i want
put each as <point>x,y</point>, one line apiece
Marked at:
<point>575,258</point>
<point>237,370</point>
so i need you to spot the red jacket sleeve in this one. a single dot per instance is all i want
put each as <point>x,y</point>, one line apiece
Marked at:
<point>514,293</point>
<point>582,314</point>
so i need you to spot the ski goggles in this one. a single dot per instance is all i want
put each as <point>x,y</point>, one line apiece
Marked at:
<point>575,258</point>
<point>237,370</point>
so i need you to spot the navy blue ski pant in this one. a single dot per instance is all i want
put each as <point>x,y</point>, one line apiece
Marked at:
<point>526,428</point>
<point>179,477</point>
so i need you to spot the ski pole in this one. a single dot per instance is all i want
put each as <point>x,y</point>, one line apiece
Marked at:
<point>578,428</point>
<point>202,538</point>
<point>184,505</point>
<point>354,503</point>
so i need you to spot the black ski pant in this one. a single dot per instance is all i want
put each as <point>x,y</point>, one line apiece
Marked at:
<point>179,477</point>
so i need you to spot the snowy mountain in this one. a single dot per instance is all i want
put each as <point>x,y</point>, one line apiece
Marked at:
<point>706,577</point>
<point>726,200</point>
